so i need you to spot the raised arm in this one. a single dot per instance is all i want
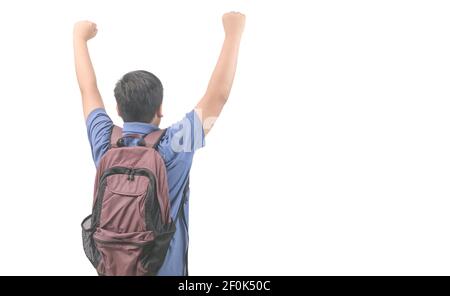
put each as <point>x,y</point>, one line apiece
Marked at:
<point>83,31</point>
<point>221,81</point>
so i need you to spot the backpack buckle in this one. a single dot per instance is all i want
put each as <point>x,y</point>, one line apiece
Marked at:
<point>120,142</point>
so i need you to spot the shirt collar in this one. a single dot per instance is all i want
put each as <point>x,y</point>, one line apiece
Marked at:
<point>138,128</point>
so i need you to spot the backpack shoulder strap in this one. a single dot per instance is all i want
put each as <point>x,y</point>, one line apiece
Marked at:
<point>152,139</point>
<point>116,134</point>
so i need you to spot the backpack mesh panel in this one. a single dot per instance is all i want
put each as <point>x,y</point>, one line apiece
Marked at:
<point>88,242</point>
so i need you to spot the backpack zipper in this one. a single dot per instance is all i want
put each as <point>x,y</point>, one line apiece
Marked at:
<point>131,173</point>
<point>128,243</point>
<point>126,171</point>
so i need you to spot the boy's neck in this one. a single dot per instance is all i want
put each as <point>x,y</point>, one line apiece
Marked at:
<point>156,121</point>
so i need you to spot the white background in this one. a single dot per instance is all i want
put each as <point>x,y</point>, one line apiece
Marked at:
<point>331,157</point>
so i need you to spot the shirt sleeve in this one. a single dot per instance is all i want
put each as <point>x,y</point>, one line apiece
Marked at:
<point>99,126</point>
<point>183,138</point>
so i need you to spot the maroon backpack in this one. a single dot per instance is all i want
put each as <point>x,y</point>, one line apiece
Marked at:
<point>130,228</point>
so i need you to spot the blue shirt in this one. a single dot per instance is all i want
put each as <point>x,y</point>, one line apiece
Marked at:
<point>177,149</point>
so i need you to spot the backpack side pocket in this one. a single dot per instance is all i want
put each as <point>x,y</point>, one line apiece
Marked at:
<point>87,231</point>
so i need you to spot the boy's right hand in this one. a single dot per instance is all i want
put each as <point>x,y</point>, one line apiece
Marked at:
<point>84,30</point>
<point>233,23</point>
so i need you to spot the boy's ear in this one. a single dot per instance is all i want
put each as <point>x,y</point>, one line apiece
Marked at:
<point>159,112</point>
<point>118,111</point>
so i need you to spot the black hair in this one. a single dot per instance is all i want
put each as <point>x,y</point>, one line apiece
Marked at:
<point>138,94</point>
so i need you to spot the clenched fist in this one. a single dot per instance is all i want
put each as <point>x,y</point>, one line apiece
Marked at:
<point>85,30</point>
<point>233,23</point>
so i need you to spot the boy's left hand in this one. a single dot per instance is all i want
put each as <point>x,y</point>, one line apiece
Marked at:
<point>84,30</point>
